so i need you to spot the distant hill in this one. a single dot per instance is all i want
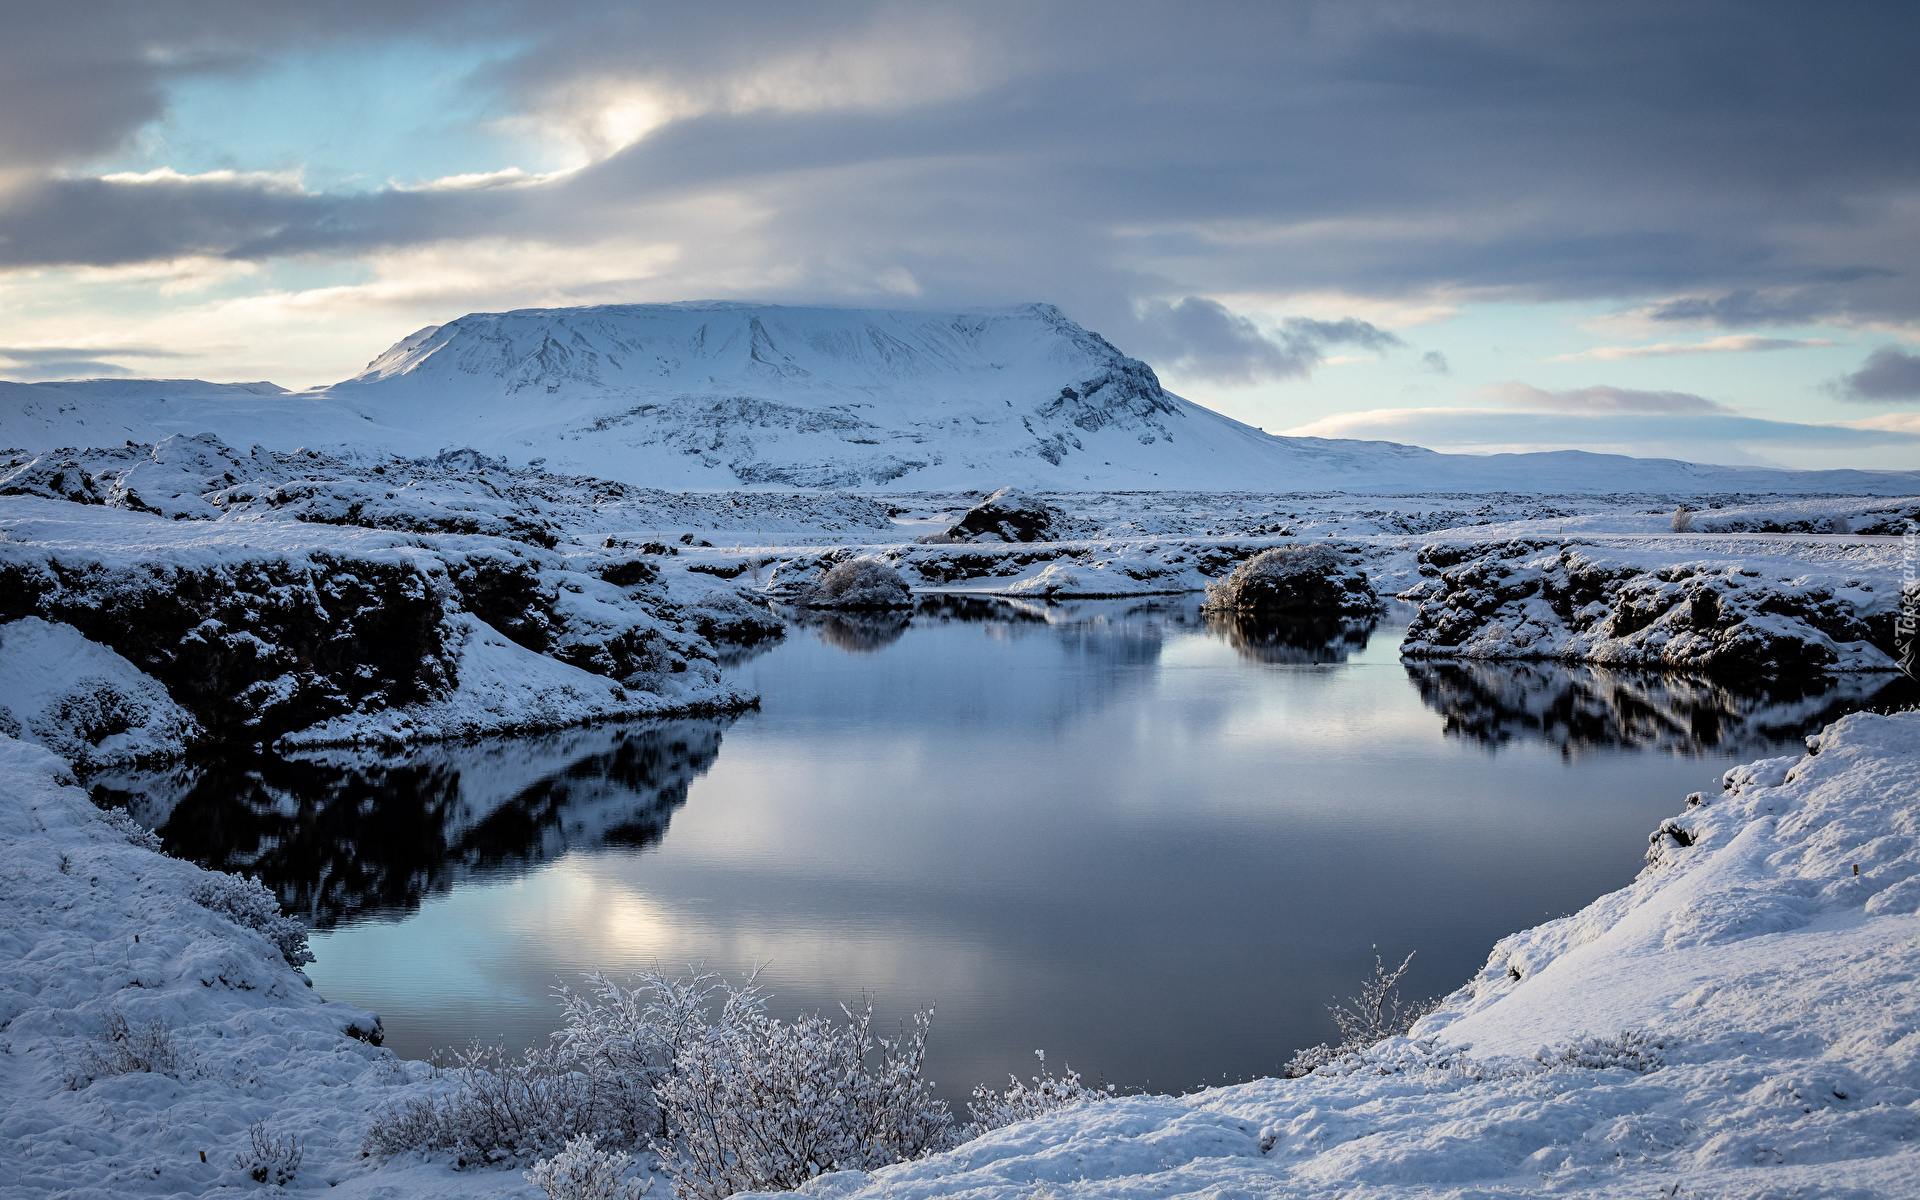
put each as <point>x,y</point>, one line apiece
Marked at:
<point>726,395</point>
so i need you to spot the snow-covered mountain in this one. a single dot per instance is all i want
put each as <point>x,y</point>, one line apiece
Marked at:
<point>726,395</point>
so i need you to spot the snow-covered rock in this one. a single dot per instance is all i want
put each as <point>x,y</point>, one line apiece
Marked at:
<point>82,701</point>
<point>1303,579</point>
<point>1008,515</point>
<point>866,582</point>
<point>1741,609</point>
<point>271,629</point>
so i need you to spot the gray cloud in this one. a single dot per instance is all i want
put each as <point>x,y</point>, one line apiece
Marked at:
<point>1204,339</point>
<point>1888,374</point>
<point>1601,399</point>
<point>1731,164</point>
<point>33,364</point>
<point>38,355</point>
<point>1435,363</point>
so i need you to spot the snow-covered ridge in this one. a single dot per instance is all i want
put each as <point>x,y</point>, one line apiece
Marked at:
<point>312,634</point>
<point>1651,606</point>
<point>728,395</point>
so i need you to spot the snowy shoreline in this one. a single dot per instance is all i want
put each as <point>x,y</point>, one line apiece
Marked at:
<point>1738,1021</point>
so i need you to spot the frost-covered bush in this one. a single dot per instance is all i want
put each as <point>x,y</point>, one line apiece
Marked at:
<point>583,1171</point>
<point>125,1050</point>
<point>627,1041</point>
<point>1022,1102</point>
<point>136,833</point>
<point>251,904</point>
<point>1302,579</point>
<point>1374,1015</point>
<point>769,1105</point>
<point>597,1078</point>
<point>1682,519</point>
<point>499,1109</point>
<point>269,1159</point>
<point>729,1098</point>
<point>858,583</point>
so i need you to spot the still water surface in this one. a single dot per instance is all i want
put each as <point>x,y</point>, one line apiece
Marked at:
<point>1152,845</point>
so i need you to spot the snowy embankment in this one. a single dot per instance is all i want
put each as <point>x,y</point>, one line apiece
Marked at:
<point>148,1023</point>
<point>1740,1021</point>
<point>1680,602</point>
<point>301,633</point>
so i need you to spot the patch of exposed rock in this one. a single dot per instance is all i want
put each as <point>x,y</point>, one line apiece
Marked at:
<point>1008,515</point>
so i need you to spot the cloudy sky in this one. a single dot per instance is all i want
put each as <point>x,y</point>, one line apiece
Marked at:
<point>1674,229</point>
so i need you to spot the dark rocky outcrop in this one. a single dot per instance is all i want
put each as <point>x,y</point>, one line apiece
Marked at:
<point>1008,515</point>
<point>1528,599</point>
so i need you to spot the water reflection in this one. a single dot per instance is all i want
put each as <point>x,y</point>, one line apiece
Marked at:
<point>1577,708</point>
<point>1300,641</point>
<point>348,833</point>
<point>855,632</point>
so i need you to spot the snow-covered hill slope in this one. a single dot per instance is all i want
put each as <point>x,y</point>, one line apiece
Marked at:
<point>728,395</point>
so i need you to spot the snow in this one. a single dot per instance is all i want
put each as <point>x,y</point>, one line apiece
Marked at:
<point>731,395</point>
<point>92,927</point>
<point>505,687</point>
<point>83,701</point>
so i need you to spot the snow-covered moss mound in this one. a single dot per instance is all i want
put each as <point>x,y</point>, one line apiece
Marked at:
<point>83,701</point>
<point>1294,579</point>
<point>858,583</point>
<point>1752,613</point>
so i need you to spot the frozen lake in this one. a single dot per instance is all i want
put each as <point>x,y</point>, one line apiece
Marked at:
<point>1154,846</point>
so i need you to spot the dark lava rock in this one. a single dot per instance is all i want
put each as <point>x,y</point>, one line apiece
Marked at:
<point>1008,515</point>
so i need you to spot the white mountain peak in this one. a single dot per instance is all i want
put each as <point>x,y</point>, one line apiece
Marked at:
<point>726,394</point>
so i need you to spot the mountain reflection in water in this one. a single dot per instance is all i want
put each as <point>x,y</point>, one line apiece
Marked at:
<point>350,832</point>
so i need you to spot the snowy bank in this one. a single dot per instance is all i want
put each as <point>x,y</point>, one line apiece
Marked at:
<point>146,1027</point>
<point>1690,603</point>
<point>1740,1021</point>
<point>275,629</point>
